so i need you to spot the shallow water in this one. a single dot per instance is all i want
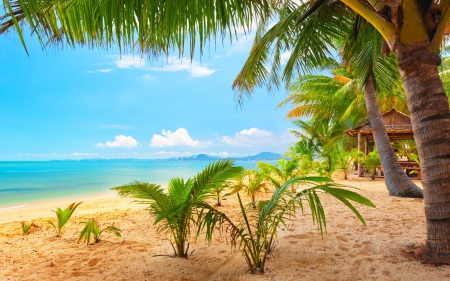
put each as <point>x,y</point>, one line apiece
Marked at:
<point>22,182</point>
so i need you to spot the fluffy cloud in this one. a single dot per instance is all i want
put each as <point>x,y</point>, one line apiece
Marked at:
<point>284,57</point>
<point>178,138</point>
<point>250,137</point>
<point>129,62</point>
<point>120,141</point>
<point>195,68</point>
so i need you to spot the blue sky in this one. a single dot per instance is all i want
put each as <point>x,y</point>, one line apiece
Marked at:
<point>81,103</point>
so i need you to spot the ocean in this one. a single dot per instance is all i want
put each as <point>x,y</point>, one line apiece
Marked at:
<point>22,183</point>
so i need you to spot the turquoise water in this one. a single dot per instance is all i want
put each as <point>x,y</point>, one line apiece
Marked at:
<point>22,182</point>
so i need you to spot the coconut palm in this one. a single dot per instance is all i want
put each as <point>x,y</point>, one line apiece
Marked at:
<point>372,162</point>
<point>415,31</point>
<point>255,232</point>
<point>280,172</point>
<point>180,193</point>
<point>320,139</point>
<point>252,182</point>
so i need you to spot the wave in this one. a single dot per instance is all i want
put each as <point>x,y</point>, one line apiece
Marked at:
<point>12,208</point>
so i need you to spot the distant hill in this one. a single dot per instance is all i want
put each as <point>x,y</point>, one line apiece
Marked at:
<point>199,157</point>
<point>263,156</point>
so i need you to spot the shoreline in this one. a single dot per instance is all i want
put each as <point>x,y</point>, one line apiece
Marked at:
<point>26,211</point>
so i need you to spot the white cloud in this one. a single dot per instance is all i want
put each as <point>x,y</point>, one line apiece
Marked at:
<point>178,138</point>
<point>195,68</point>
<point>120,141</point>
<point>130,61</point>
<point>148,77</point>
<point>100,70</point>
<point>285,57</point>
<point>250,137</point>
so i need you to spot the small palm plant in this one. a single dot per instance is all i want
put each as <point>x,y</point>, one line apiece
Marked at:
<point>253,182</point>
<point>91,228</point>
<point>180,194</point>
<point>63,217</point>
<point>372,162</point>
<point>256,232</point>
<point>28,227</point>
<point>279,173</point>
<point>345,159</point>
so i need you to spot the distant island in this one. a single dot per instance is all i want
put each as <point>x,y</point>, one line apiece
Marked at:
<point>263,156</point>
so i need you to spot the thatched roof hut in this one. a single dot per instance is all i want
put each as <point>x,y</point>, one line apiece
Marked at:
<point>398,126</point>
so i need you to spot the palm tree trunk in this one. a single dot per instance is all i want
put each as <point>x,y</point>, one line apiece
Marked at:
<point>397,182</point>
<point>430,118</point>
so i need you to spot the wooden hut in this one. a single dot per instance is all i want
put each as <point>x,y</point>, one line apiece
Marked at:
<point>398,127</point>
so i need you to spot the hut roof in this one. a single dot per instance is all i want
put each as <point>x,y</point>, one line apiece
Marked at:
<point>398,126</point>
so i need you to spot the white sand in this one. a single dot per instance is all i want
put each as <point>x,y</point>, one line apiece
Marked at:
<point>350,251</point>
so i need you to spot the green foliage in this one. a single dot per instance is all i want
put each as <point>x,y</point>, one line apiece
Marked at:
<point>63,217</point>
<point>405,148</point>
<point>254,234</point>
<point>320,140</point>
<point>217,192</point>
<point>253,183</point>
<point>27,228</point>
<point>372,162</point>
<point>180,195</point>
<point>345,160</point>
<point>91,228</point>
<point>279,173</point>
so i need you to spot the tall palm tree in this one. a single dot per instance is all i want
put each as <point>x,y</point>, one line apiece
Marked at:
<point>415,31</point>
<point>378,74</point>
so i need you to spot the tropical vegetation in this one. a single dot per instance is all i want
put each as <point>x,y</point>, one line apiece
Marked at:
<point>62,217</point>
<point>91,228</point>
<point>181,194</point>
<point>414,30</point>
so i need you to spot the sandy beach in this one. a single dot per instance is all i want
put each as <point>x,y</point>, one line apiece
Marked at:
<point>385,249</point>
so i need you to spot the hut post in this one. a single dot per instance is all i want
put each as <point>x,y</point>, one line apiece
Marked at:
<point>360,170</point>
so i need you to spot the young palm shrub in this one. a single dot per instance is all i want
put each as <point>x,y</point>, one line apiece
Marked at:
<point>255,233</point>
<point>345,160</point>
<point>218,193</point>
<point>27,228</point>
<point>63,217</point>
<point>180,194</point>
<point>371,162</point>
<point>254,183</point>
<point>279,173</point>
<point>91,228</point>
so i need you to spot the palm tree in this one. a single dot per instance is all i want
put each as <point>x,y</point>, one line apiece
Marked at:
<point>321,140</point>
<point>257,228</point>
<point>282,171</point>
<point>415,31</point>
<point>252,182</point>
<point>180,194</point>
